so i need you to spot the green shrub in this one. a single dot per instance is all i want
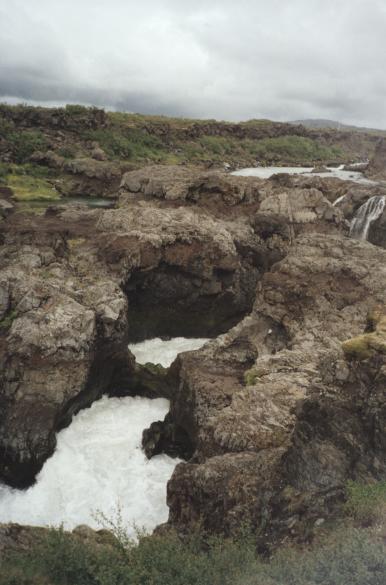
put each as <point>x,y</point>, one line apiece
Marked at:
<point>31,170</point>
<point>67,151</point>
<point>6,127</point>
<point>76,109</point>
<point>129,143</point>
<point>291,149</point>
<point>4,171</point>
<point>349,557</point>
<point>24,143</point>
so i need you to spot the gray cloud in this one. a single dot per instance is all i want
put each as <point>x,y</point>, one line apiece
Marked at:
<point>220,59</point>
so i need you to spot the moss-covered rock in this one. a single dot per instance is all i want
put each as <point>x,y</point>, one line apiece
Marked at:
<point>251,376</point>
<point>367,345</point>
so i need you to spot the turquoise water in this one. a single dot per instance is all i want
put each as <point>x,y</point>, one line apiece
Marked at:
<point>92,202</point>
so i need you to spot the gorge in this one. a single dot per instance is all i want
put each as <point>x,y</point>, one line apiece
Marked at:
<point>98,461</point>
<point>273,403</point>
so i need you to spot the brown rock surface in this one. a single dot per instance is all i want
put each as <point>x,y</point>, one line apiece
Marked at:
<point>277,417</point>
<point>232,404</point>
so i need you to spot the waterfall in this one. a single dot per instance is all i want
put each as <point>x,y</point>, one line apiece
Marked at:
<point>337,201</point>
<point>366,214</point>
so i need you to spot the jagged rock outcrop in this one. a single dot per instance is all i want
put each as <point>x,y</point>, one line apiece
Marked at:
<point>183,272</point>
<point>76,284</point>
<point>60,344</point>
<point>92,176</point>
<point>250,418</point>
<point>263,265</point>
<point>183,183</point>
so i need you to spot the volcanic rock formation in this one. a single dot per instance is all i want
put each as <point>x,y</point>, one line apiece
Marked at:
<point>273,414</point>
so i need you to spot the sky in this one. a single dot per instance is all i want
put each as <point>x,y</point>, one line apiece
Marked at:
<point>230,60</point>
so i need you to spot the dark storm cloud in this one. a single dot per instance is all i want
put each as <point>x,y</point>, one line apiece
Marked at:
<point>222,59</point>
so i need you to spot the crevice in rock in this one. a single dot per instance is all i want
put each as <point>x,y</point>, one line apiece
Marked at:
<point>167,437</point>
<point>169,302</point>
<point>146,380</point>
<point>108,362</point>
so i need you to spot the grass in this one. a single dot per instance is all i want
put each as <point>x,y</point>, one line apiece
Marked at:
<point>292,149</point>
<point>348,557</point>
<point>128,144</point>
<point>144,139</point>
<point>344,555</point>
<point>366,503</point>
<point>27,188</point>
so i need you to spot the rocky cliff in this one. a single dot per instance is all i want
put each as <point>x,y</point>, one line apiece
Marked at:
<point>276,413</point>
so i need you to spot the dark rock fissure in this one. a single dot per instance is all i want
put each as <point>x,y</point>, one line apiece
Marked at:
<point>168,302</point>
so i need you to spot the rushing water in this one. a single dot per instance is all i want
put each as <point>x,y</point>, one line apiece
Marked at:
<point>99,466</point>
<point>162,352</point>
<point>337,172</point>
<point>366,214</point>
<point>92,202</point>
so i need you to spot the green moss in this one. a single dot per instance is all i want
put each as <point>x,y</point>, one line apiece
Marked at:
<point>369,344</point>
<point>250,377</point>
<point>253,375</point>
<point>75,242</point>
<point>149,380</point>
<point>7,320</point>
<point>358,348</point>
<point>155,369</point>
<point>27,188</point>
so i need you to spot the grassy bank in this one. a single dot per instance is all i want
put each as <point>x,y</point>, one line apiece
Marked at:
<point>74,131</point>
<point>351,552</point>
<point>29,182</point>
<point>348,557</point>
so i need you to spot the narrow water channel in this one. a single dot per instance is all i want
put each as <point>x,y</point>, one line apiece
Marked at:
<point>99,467</point>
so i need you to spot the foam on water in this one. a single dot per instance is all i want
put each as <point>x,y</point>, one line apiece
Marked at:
<point>98,464</point>
<point>267,172</point>
<point>336,172</point>
<point>163,352</point>
<point>366,214</point>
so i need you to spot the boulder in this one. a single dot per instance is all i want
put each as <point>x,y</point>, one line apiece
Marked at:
<point>260,398</point>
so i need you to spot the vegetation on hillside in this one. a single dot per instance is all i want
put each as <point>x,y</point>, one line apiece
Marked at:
<point>28,182</point>
<point>345,554</point>
<point>74,131</point>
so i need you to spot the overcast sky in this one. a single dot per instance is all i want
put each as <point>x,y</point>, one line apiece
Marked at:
<point>234,60</point>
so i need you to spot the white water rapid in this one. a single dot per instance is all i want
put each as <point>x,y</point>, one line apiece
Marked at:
<point>99,466</point>
<point>336,172</point>
<point>162,352</point>
<point>366,214</point>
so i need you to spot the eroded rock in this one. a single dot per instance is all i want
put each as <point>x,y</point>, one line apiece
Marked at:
<point>271,413</point>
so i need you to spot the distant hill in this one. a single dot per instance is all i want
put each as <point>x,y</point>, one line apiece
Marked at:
<point>64,138</point>
<point>316,123</point>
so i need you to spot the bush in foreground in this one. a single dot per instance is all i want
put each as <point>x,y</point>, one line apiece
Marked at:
<point>351,557</point>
